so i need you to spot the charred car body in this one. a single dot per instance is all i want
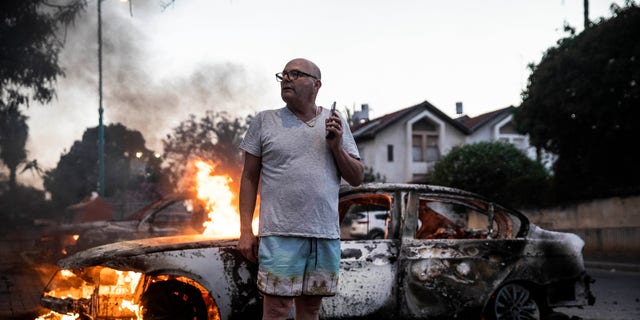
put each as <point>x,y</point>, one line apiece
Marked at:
<point>174,214</point>
<point>446,253</point>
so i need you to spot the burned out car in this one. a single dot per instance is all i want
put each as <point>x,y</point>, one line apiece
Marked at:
<point>446,254</point>
<point>173,214</point>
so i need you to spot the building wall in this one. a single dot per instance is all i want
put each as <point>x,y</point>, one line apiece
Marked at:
<point>489,132</point>
<point>452,137</point>
<point>374,152</point>
<point>482,134</point>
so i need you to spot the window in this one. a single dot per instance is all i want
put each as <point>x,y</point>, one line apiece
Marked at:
<point>424,142</point>
<point>416,148</point>
<point>390,153</point>
<point>424,147</point>
<point>364,216</point>
<point>432,151</point>
<point>439,219</point>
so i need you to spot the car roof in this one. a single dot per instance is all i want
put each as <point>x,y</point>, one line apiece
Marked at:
<point>391,187</point>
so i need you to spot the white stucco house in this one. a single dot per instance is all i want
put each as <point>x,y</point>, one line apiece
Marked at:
<point>403,146</point>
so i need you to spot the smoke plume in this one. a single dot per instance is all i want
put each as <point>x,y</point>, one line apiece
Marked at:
<point>132,94</point>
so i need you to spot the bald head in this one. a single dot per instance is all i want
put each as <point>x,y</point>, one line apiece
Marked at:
<point>299,85</point>
<point>310,65</point>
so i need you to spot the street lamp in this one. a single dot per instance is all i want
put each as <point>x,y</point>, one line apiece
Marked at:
<point>101,184</point>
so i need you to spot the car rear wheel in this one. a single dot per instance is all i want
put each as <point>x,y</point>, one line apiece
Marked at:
<point>514,302</point>
<point>173,300</point>
<point>376,234</point>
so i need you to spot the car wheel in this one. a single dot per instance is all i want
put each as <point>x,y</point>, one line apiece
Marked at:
<point>173,300</point>
<point>514,302</point>
<point>376,234</point>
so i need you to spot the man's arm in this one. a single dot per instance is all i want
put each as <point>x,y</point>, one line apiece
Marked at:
<point>350,168</point>
<point>248,244</point>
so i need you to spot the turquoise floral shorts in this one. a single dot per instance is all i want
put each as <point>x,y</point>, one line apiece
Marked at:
<point>295,266</point>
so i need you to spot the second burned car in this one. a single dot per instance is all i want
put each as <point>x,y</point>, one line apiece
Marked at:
<point>446,253</point>
<point>173,214</point>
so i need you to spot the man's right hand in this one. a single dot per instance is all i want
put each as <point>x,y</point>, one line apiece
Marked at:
<point>248,243</point>
<point>248,246</point>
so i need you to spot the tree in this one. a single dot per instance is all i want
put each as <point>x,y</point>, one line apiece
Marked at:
<point>24,204</point>
<point>13,138</point>
<point>497,170</point>
<point>129,164</point>
<point>581,103</point>
<point>29,48</point>
<point>31,37</point>
<point>214,137</point>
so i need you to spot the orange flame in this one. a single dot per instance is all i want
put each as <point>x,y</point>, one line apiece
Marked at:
<point>55,316</point>
<point>214,191</point>
<point>120,285</point>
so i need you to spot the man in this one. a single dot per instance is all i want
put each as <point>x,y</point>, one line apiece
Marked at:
<point>299,164</point>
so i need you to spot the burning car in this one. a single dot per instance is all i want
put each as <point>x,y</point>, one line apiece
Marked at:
<point>446,253</point>
<point>173,214</point>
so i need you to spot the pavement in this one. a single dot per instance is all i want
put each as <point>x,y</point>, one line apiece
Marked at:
<point>20,294</point>
<point>23,277</point>
<point>21,280</point>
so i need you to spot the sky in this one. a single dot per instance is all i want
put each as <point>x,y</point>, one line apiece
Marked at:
<point>162,64</point>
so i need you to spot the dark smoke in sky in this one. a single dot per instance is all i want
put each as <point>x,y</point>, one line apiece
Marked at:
<point>132,95</point>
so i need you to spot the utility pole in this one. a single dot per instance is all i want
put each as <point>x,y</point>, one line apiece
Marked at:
<point>101,186</point>
<point>586,14</point>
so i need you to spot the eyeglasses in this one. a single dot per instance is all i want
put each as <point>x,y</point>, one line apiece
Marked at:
<point>293,75</point>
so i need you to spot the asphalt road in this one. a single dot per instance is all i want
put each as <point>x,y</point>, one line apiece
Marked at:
<point>617,296</point>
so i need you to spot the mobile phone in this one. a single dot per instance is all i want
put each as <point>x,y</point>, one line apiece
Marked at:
<point>333,110</point>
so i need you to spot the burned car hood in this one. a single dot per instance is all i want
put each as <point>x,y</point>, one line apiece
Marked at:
<point>102,254</point>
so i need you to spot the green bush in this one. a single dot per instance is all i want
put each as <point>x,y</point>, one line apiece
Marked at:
<point>496,170</point>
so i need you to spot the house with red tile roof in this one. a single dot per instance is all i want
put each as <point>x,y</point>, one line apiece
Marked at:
<point>404,146</point>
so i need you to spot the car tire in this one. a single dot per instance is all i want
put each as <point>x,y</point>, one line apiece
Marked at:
<point>174,300</point>
<point>513,301</point>
<point>376,234</point>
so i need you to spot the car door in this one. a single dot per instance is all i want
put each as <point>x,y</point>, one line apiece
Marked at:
<point>452,256</point>
<point>368,268</point>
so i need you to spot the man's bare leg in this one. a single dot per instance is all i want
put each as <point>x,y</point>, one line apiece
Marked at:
<point>307,307</point>
<point>276,308</point>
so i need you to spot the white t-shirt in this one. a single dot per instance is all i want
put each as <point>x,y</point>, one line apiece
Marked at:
<point>299,179</point>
